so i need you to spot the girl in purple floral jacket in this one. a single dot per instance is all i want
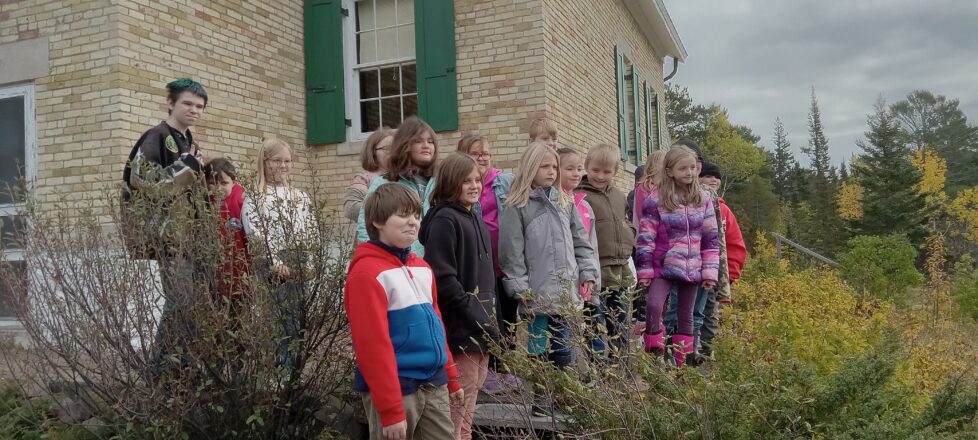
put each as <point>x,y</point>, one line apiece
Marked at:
<point>679,208</point>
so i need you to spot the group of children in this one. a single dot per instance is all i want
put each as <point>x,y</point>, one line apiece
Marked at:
<point>449,260</point>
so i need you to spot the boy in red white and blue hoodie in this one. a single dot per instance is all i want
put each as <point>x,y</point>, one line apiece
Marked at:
<point>405,372</point>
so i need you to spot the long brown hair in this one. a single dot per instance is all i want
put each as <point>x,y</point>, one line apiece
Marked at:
<point>451,173</point>
<point>399,160</point>
<point>672,195</point>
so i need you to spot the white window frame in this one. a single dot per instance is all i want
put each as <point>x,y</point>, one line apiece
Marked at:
<point>30,160</point>
<point>351,70</point>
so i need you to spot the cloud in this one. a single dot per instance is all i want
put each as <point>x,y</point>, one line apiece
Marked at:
<point>760,58</point>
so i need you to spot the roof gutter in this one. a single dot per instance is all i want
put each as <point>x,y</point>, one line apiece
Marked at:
<point>654,21</point>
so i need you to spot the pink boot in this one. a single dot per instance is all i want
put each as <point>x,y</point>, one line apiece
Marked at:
<point>655,343</point>
<point>682,345</point>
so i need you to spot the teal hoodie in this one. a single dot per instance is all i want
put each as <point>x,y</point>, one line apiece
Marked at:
<point>424,193</point>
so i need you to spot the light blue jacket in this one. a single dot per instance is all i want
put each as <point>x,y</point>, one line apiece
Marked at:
<point>500,187</point>
<point>424,194</point>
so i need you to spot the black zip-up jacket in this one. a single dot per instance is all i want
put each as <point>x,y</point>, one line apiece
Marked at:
<point>459,251</point>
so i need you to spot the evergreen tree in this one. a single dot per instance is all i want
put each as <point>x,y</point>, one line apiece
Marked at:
<point>934,121</point>
<point>823,186</point>
<point>783,163</point>
<point>843,173</point>
<point>685,118</point>
<point>891,202</point>
<point>801,179</point>
<point>818,149</point>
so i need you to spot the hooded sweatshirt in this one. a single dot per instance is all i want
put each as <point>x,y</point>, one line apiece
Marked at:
<point>543,250</point>
<point>459,250</point>
<point>398,335</point>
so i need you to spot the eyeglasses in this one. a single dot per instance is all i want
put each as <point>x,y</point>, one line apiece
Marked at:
<point>481,155</point>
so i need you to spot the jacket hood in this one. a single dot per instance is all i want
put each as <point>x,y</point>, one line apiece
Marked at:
<point>369,251</point>
<point>426,224</point>
<point>491,174</point>
<point>578,196</point>
<point>586,185</point>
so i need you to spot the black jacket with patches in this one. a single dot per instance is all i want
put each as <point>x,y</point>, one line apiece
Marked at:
<point>161,167</point>
<point>459,251</point>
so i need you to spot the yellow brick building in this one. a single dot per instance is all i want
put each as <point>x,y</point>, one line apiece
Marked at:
<point>80,80</point>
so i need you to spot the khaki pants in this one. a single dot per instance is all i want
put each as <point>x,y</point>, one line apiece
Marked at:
<point>472,370</point>
<point>427,411</point>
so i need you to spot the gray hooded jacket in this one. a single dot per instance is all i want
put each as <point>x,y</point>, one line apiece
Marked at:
<point>544,252</point>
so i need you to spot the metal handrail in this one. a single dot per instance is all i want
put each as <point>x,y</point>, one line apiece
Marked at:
<point>778,239</point>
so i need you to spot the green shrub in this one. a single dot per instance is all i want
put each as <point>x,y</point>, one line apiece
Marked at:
<point>965,287</point>
<point>881,267</point>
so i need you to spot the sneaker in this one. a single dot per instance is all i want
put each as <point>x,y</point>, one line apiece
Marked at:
<point>695,359</point>
<point>706,352</point>
<point>493,386</point>
<point>509,383</point>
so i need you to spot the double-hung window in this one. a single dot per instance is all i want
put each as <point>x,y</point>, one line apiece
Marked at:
<point>373,63</point>
<point>17,169</point>
<point>382,89</point>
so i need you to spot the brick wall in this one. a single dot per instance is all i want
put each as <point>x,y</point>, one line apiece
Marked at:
<point>75,103</point>
<point>247,54</point>
<point>501,86</point>
<point>110,61</point>
<point>580,69</point>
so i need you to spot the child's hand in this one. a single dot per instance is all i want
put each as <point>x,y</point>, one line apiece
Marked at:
<point>457,398</point>
<point>397,431</point>
<point>644,282</point>
<point>587,289</point>
<point>283,271</point>
<point>709,284</point>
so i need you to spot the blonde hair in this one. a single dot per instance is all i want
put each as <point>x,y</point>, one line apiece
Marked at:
<point>567,151</point>
<point>671,195</point>
<point>653,169</point>
<point>542,126</point>
<point>604,154</point>
<point>526,172</point>
<point>368,155</point>
<point>468,141</point>
<point>268,149</point>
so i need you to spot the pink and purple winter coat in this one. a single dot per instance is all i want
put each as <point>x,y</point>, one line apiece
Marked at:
<point>693,243</point>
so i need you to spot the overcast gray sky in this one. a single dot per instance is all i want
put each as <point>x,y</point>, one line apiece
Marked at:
<point>760,58</point>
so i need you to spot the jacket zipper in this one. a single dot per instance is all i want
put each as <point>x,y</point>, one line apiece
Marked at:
<point>689,247</point>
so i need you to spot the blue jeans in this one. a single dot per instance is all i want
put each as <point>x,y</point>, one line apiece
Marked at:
<point>553,329</point>
<point>611,316</point>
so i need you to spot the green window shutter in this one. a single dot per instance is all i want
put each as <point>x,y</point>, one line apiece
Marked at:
<point>637,111</point>
<point>622,102</point>
<point>657,134</point>
<point>325,105</point>
<point>434,28</point>
<point>649,145</point>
